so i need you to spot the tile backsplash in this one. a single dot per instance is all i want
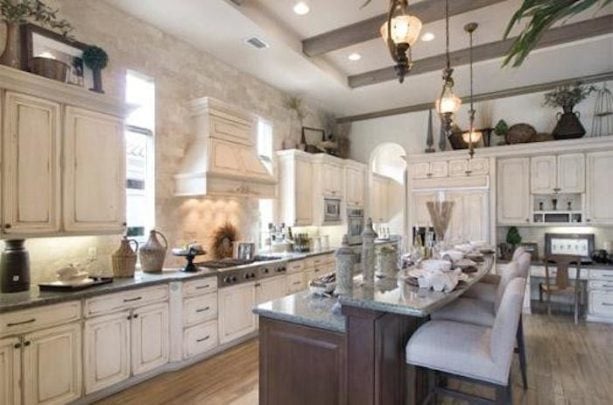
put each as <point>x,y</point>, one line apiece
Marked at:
<point>537,234</point>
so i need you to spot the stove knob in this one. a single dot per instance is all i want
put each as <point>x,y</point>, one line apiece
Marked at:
<point>252,275</point>
<point>246,276</point>
<point>266,271</point>
<point>282,269</point>
<point>227,280</point>
<point>234,279</point>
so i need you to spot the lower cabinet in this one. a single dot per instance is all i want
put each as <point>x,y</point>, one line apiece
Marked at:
<point>52,365</point>
<point>270,289</point>
<point>236,318</point>
<point>124,344</point>
<point>199,339</point>
<point>10,371</point>
<point>296,282</point>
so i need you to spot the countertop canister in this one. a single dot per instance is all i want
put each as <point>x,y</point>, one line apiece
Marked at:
<point>124,259</point>
<point>345,258</point>
<point>153,253</point>
<point>368,253</point>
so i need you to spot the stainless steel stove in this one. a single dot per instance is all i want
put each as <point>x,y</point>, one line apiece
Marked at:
<point>234,271</point>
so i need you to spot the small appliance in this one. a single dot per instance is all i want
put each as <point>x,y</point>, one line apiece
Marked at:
<point>355,225</point>
<point>332,211</point>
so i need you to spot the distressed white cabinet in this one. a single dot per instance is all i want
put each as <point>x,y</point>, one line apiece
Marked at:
<point>427,170</point>
<point>150,337</point>
<point>332,180</point>
<point>296,282</point>
<point>235,316</point>
<point>379,195</point>
<point>199,339</point>
<point>106,351</point>
<point>599,206</point>
<point>557,174</point>
<point>10,371</point>
<point>513,191</point>
<point>355,177</point>
<point>31,189</point>
<point>270,289</point>
<point>94,174</point>
<point>296,188</point>
<point>421,215</point>
<point>52,365</point>
<point>470,217</point>
<point>468,167</point>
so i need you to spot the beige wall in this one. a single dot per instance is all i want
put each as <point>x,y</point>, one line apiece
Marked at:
<point>181,73</point>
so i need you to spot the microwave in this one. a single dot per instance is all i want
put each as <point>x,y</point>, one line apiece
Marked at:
<point>332,210</point>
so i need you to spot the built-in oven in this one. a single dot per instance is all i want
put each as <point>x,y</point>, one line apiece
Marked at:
<point>332,211</point>
<point>355,225</point>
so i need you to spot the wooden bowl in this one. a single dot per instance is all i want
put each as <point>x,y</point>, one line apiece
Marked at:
<point>520,133</point>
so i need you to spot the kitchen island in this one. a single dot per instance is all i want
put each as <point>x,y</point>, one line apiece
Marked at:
<point>317,350</point>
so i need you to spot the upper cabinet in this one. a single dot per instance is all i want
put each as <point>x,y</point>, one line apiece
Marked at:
<point>31,189</point>
<point>94,155</point>
<point>599,169</point>
<point>379,198</point>
<point>469,167</point>
<point>355,177</point>
<point>429,170</point>
<point>63,167</point>
<point>295,188</point>
<point>329,176</point>
<point>557,174</point>
<point>513,191</point>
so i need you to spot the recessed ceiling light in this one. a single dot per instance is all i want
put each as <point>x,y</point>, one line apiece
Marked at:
<point>301,8</point>
<point>354,57</point>
<point>427,37</point>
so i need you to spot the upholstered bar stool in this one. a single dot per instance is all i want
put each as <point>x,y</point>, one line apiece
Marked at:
<point>481,354</point>
<point>486,288</point>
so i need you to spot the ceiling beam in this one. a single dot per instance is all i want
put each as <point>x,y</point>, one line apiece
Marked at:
<point>426,11</point>
<point>493,50</point>
<point>515,91</point>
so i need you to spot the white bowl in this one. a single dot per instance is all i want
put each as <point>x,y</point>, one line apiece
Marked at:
<point>434,265</point>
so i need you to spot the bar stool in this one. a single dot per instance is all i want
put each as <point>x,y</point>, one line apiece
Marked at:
<point>481,354</point>
<point>486,288</point>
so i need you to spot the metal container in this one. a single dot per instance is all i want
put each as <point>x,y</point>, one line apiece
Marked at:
<point>153,253</point>
<point>14,267</point>
<point>50,68</point>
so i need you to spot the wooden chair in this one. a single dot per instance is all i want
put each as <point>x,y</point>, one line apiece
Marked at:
<point>562,285</point>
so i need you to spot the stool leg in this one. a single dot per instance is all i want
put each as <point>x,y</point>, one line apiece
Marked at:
<point>521,345</point>
<point>504,394</point>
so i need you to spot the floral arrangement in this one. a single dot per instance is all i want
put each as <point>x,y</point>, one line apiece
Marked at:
<point>568,96</point>
<point>22,11</point>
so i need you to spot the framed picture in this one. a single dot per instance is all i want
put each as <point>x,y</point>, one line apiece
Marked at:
<point>38,41</point>
<point>312,137</point>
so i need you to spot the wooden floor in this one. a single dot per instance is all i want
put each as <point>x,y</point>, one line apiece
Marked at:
<point>567,364</point>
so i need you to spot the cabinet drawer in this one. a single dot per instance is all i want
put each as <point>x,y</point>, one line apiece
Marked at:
<point>296,282</point>
<point>199,339</point>
<point>19,322</point>
<point>294,267</point>
<point>130,299</point>
<point>200,287</point>
<point>605,275</point>
<point>318,261</point>
<point>601,303</point>
<point>601,285</point>
<point>199,309</point>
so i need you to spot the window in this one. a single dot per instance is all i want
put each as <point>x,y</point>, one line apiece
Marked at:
<point>140,154</point>
<point>265,152</point>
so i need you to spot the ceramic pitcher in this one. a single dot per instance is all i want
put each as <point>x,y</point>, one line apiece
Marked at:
<point>124,258</point>
<point>153,253</point>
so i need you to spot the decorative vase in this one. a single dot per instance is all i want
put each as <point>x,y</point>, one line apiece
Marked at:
<point>368,254</point>
<point>97,73</point>
<point>14,267</point>
<point>345,258</point>
<point>153,253</point>
<point>12,51</point>
<point>568,126</point>
<point>387,262</point>
<point>124,259</point>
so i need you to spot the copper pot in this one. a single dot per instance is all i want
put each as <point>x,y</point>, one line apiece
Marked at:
<point>50,68</point>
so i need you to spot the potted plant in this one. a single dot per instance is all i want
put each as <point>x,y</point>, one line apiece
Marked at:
<point>501,129</point>
<point>96,59</point>
<point>567,97</point>
<point>17,12</point>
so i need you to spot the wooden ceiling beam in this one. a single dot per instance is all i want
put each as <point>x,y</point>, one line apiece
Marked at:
<point>493,50</point>
<point>426,11</point>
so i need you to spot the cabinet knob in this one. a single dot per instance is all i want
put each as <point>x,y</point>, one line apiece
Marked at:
<point>135,316</point>
<point>27,343</point>
<point>17,345</point>
<point>7,226</point>
<point>588,220</point>
<point>527,219</point>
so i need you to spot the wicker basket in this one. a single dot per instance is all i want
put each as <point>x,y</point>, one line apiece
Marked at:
<point>124,259</point>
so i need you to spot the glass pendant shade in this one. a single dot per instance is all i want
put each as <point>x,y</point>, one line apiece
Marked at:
<point>449,103</point>
<point>472,137</point>
<point>405,30</point>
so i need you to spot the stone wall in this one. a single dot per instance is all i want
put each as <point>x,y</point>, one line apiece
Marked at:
<point>181,73</point>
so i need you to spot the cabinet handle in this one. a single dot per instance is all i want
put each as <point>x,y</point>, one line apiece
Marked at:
<point>258,284</point>
<point>203,309</point>
<point>202,287</point>
<point>588,220</point>
<point>129,317</point>
<point>135,316</point>
<point>132,299</point>
<point>27,343</point>
<point>607,304</point>
<point>21,323</point>
<point>203,339</point>
<point>7,226</point>
<point>17,345</point>
<point>297,283</point>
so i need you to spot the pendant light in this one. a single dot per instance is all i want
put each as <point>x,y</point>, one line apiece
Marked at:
<point>400,32</point>
<point>448,103</point>
<point>472,136</point>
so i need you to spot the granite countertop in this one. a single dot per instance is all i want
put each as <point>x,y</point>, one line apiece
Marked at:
<point>388,295</point>
<point>541,262</point>
<point>34,297</point>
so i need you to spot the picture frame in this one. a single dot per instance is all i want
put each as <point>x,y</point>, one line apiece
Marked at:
<point>311,137</point>
<point>39,41</point>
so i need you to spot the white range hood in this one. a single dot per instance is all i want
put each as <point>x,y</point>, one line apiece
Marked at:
<point>223,160</point>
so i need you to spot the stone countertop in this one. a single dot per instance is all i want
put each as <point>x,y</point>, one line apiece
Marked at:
<point>591,265</point>
<point>388,295</point>
<point>293,256</point>
<point>34,297</point>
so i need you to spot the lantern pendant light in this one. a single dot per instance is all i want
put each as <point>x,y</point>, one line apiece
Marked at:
<point>448,103</point>
<point>472,136</point>
<point>400,32</point>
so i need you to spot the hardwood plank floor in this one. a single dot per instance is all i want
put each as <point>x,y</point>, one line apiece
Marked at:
<point>567,364</point>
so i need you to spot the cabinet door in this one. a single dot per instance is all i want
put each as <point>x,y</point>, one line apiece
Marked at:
<point>455,231</point>
<point>458,168</point>
<point>235,316</point>
<point>439,169</point>
<point>296,282</point>
<point>150,336</point>
<point>543,175</point>
<point>199,339</point>
<point>355,187</point>
<point>10,371</point>
<point>332,180</point>
<point>107,351</point>
<point>31,181</point>
<point>599,169</point>
<point>571,173</point>
<point>419,170</point>
<point>421,216</point>
<point>476,214</point>
<point>304,193</point>
<point>270,289</point>
<point>379,200</point>
<point>95,175</point>
<point>52,365</point>
<point>513,196</point>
